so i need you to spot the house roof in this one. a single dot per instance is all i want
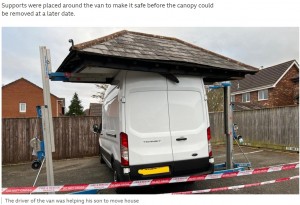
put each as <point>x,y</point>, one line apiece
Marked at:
<point>95,109</point>
<point>87,111</point>
<point>152,53</point>
<point>27,81</point>
<point>265,78</point>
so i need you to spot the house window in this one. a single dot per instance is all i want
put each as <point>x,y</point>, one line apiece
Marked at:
<point>232,98</point>
<point>22,107</point>
<point>246,97</point>
<point>263,94</point>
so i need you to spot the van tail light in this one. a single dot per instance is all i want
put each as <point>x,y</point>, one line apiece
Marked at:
<point>209,144</point>
<point>124,149</point>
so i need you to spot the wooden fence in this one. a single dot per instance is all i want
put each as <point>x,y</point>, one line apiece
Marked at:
<point>73,138</point>
<point>273,127</point>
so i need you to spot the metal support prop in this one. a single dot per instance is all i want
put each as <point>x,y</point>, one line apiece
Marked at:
<point>46,70</point>
<point>38,174</point>
<point>47,122</point>
<point>228,128</point>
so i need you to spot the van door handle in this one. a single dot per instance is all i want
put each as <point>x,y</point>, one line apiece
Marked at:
<point>181,139</point>
<point>111,135</point>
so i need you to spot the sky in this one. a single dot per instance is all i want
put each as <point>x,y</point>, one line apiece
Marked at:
<point>253,46</point>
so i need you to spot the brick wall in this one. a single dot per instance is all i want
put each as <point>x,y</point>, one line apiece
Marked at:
<point>283,94</point>
<point>23,91</point>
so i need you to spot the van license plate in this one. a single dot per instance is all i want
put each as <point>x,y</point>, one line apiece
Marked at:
<point>156,170</point>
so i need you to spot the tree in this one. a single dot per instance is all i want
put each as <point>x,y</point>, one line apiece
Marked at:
<point>102,88</point>
<point>75,107</point>
<point>215,100</point>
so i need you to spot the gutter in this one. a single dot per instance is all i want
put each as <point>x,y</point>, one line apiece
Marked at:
<point>253,89</point>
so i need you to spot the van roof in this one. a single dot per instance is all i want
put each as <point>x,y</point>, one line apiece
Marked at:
<point>128,50</point>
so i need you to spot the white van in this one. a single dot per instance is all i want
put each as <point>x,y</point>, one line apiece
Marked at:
<point>153,127</point>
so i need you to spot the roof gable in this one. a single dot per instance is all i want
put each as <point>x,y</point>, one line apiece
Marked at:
<point>26,81</point>
<point>265,78</point>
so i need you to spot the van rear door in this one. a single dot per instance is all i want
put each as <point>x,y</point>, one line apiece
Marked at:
<point>147,119</point>
<point>188,118</point>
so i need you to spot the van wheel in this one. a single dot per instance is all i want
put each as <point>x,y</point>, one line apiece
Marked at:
<point>101,157</point>
<point>117,179</point>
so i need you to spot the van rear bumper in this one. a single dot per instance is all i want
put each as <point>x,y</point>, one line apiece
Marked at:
<point>178,168</point>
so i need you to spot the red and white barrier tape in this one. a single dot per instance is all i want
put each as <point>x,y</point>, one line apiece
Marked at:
<point>236,186</point>
<point>100,186</point>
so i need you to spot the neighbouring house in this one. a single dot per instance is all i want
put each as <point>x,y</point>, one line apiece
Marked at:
<point>94,110</point>
<point>20,98</point>
<point>274,86</point>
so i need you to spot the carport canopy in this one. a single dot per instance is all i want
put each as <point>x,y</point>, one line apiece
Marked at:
<point>99,60</point>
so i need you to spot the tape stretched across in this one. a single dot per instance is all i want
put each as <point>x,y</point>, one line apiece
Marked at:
<point>236,187</point>
<point>101,186</point>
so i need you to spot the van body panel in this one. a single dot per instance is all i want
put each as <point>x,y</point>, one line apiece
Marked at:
<point>188,122</point>
<point>112,113</point>
<point>110,127</point>
<point>147,119</point>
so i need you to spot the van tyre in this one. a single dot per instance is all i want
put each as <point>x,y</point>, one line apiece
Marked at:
<point>115,173</point>
<point>101,157</point>
<point>116,178</point>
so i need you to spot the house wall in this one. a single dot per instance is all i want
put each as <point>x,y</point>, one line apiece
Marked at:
<point>296,92</point>
<point>253,99</point>
<point>22,91</point>
<point>283,94</point>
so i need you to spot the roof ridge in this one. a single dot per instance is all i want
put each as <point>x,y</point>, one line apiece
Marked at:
<point>99,40</point>
<point>290,61</point>
<point>123,32</point>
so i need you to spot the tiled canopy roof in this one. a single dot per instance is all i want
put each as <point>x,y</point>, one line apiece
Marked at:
<point>163,52</point>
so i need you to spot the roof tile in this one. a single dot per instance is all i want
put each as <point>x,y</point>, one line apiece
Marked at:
<point>138,45</point>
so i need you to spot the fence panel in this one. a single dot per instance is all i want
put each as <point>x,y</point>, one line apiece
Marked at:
<point>273,126</point>
<point>73,138</point>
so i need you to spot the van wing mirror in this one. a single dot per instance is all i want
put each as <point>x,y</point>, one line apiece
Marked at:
<point>97,128</point>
